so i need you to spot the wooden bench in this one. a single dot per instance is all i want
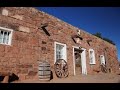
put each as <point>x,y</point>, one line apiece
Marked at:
<point>6,76</point>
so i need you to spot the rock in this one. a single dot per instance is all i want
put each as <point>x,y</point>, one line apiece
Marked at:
<point>24,29</point>
<point>5,12</point>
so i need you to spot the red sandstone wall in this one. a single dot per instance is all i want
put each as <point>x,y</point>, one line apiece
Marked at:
<point>30,44</point>
<point>101,47</point>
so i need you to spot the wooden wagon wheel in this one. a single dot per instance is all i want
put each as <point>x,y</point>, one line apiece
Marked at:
<point>103,68</point>
<point>61,68</point>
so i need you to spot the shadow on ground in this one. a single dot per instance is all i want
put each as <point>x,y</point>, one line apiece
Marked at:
<point>1,78</point>
<point>13,78</point>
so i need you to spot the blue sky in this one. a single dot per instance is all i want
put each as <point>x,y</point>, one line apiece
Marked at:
<point>105,20</point>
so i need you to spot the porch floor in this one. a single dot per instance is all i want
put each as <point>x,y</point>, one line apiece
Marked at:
<point>99,78</point>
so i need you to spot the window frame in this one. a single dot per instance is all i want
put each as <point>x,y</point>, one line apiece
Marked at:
<point>64,51</point>
<point>10,35</point>
<point>93,55</point>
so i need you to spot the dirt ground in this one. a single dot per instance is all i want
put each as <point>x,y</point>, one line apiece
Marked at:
<point>99,78</point>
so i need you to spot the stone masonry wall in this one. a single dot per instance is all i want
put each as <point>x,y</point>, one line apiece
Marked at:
<point>30,44</point>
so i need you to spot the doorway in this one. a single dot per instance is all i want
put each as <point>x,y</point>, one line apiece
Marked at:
<point>78,66</point>
<point>79,61</point>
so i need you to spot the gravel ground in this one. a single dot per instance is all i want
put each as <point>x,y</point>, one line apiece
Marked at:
<point>100,78</point>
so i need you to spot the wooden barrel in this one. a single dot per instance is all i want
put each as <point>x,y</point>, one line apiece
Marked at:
<point>44,71</point>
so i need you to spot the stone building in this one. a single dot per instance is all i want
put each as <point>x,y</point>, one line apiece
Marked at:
<point>28,36</point>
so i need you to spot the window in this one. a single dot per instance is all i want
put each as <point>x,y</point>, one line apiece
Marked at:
<point>102,59</point>
<point>60,51</point>
<point>5,36</point>
<point>92,56</point>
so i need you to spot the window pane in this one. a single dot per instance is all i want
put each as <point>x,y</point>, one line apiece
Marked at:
<point>91,57</point>
<point>0,36</point>
<point>61,57</point>
<point>59,51</point>
<point>57,47</point>
<point>60,47</point>
<point>5,37</point>
<point>57,57</point>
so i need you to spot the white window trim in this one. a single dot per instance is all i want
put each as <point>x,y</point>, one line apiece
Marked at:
<point>10,37</point>
<point>64,51</point>
<point>94,62</point>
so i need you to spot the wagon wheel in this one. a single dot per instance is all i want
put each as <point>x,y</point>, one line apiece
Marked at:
<point>61,68</point>
<point>103,68</point>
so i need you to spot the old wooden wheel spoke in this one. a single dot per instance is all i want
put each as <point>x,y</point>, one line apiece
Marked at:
<point>65,71</point>
<point>66,74</point>
<point>61,68</point>
<point>103,68</point>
